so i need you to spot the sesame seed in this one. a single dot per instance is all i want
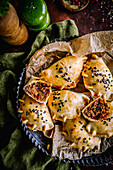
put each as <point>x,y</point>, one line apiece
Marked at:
<point>80,122</point>
<point>79,138</point>
<point>89,68</point>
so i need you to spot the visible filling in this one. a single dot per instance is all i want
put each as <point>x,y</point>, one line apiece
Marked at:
<point>97,110</point>
<point>38,90</point>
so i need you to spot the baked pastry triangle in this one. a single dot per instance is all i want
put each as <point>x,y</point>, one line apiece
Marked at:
<point>66,104</point>
<point>47,54</point>
<point>65,73</point>
<point>75,133</point>
<point>97,77</point>
<point>96,110</point>
<point>102,128</point>
<point>38,89</point>
<point>35,115</point>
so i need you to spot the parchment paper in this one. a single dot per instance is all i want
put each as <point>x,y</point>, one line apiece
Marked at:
<point>100,43</point>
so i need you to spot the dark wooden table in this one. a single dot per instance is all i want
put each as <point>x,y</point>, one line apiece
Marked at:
<point>97,16</point>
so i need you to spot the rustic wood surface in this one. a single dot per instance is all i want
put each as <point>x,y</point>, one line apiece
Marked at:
<point>97,16</point>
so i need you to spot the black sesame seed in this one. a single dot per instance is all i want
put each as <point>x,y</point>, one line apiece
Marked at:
<point>79,138</point>
<point>56,76</point>
<point>96,74</point>
<point>65,100</point>
<point>69,66</point>
<point>57,65</point>
<point>93,84</point>
<point>80,122</point>
<point>89,68</point>
<point>74,125</point>
<point>60,71</point>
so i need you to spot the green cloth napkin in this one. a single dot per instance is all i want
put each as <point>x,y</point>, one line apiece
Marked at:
<point>16,151</point>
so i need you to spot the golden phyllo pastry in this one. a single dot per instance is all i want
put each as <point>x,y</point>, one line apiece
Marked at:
<point>97,77</point>
<point>102,128</point>
<point>47,55</point>
<point>66,104</point>
<point>65,73</point>
<point>38,89</point>
<point>96,110</point>
<point>35,115</point>
<point>76,134</point>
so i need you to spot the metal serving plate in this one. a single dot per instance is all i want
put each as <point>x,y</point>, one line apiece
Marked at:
<point>42,142</point>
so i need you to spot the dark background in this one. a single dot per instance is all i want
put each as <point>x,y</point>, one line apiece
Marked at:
<point>97,16</point>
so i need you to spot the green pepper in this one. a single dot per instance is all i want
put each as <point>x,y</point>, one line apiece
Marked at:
<point>34,14</point>
<point>43,25</point>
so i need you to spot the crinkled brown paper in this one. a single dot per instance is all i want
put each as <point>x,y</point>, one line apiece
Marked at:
<point>91,43</point>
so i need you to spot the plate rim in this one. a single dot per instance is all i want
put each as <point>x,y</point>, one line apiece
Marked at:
<point>94,160</point>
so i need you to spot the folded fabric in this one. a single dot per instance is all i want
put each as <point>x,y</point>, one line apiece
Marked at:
<point>16,151</point>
